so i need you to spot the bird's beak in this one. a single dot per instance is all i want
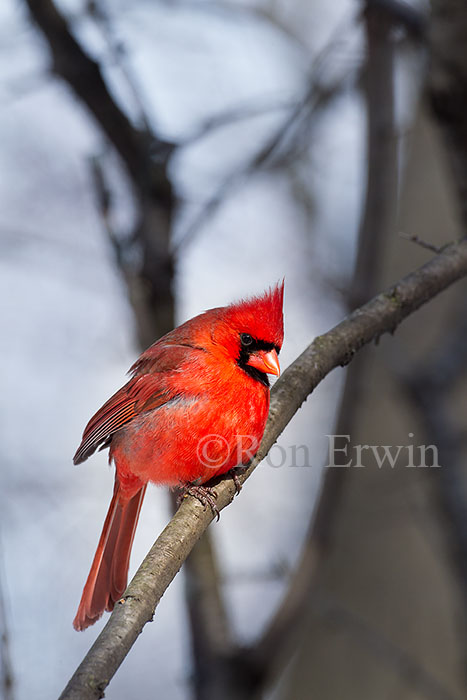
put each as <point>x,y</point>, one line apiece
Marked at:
<point>265,361</point>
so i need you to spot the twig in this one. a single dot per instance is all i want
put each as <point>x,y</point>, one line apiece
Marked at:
<point>151,287</point>
<point>283,143</point>
<point>231,7</point>
<point>235,114</point>
<point>337,347</point>
<point>100,16</point>
<point>268,154</point>
<point>419,241</point>
<point>84,75</point>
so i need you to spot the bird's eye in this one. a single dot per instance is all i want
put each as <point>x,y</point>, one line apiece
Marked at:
<point>246,339</point>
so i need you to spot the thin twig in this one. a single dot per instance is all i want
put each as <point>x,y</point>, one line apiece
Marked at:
<point>287,138</point>
<point>337,347</point>
<point>84,75</point>
<point>117,52</point>
<point>235,114</point>
<point>419,241</point>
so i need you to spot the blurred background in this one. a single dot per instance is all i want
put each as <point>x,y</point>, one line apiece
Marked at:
<point>163,157</point>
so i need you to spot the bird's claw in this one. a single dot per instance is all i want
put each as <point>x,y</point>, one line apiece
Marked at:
<point>204,494</point>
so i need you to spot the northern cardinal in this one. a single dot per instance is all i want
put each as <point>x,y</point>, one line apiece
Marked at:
<point>195,407</point>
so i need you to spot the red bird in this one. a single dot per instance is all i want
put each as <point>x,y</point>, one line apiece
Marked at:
<point>194,408</point>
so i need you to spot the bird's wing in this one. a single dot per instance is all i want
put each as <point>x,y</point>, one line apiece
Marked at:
<point>148,389</point>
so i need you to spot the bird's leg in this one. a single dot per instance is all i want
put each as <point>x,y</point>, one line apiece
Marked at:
<point>205,495</point>
<point>235,473</point>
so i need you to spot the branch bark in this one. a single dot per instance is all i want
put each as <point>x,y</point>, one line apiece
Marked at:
<point>337,347</point>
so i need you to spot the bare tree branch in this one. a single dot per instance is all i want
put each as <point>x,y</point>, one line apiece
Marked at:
<point>278,149</point>
<point>84,76</point>
<point>337,347</point>
<point>117,51</point>
<point>238,113</point>
<point>263,14</point>
<point>420,242</point>
<point>150,284</point>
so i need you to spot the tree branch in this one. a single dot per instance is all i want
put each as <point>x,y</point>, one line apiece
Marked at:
<point>337,347</point>
<point>150,286</point>
<point>116,49</point>
<point>84,76</point>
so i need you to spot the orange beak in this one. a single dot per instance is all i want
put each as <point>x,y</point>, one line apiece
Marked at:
<point>265,361</point>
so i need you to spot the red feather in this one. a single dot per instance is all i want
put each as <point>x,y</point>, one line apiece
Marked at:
<point>109,570</point>
<point>144,392</point>
<point>205,378</point>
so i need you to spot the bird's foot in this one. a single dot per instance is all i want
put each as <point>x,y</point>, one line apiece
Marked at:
<point>204,494</point>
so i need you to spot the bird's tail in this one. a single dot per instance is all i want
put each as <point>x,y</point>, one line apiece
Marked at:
<point>109,571</point>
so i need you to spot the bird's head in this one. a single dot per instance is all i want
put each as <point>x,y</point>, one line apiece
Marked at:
<point>251,332</point>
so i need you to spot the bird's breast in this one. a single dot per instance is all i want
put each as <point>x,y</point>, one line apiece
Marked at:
<point>195,437</point>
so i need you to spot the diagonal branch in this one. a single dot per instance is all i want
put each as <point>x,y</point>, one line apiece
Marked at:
<point>380,315</point>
